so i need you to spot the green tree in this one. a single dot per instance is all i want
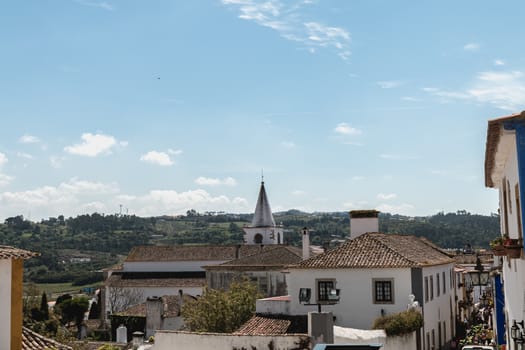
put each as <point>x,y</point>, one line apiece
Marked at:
<point>222,311</point>
<point>44,308</point>
<point>74,310</point>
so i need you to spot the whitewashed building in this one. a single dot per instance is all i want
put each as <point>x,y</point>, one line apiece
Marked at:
<point>375,273</point>
<point>505,171</point>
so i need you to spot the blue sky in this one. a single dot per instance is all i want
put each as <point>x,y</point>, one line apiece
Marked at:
<point>165,106</point>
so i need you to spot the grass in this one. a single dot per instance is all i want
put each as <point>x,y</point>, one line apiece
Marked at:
<point>53,290</point>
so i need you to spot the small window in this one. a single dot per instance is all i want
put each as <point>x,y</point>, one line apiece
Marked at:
<point>428,341</point>
<point>426,289</point>
<point>444,283</point>
<point>263,285</point>
<point>431,287</point>
<point>437,284</point>
<point>323,290</point>
<point>258,238</point>
<point>383,291</point>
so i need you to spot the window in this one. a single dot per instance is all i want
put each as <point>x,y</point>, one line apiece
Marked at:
<point>444,283</point>
<point>258,238</point>
<point>323,289</point>
<point>437,284</point>
<point>428,341</point>
<point>383,291</point>
<point>431,287</point>
<point>426,289</point>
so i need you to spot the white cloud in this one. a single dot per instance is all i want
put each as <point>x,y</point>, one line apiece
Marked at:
<point>345,129</point>
<point>397,156</point>
<point>498,62</point>
<point>288,21</point>
<point>389,84</point>
<point>174,152</point>
<point>288,144</point>
<point>3,159</point>
<point>159,158</point>
<point>298,193</point>
<point>386,196</point>
<point>28,139</point>
<point>504,90</point>
<point>5,179</point>
<point>208,181</point>
<point>471,47</point>
<point>24,155</point>
<point>402,209</point>
<point>93,145</point>
<point>100,4</point>
<point>56,161</point>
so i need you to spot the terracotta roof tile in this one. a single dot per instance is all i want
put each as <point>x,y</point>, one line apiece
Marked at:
<point>379,250</point>
<point>34,341</point>
<point>7,252</point>
<point>276,256</point>
<point>191,252</point>
<point>274,324</point>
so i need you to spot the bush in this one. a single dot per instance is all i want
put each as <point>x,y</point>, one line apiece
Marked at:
<point>401,323</point>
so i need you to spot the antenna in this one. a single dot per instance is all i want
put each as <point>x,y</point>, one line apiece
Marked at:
<point>262,175</point>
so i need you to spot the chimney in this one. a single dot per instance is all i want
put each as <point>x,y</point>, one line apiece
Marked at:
<point>306,243</point>
<point>154,311</point>
<point>363,221</point>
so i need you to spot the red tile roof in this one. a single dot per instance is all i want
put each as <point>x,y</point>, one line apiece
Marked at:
<point>493,137</point>
<point>34,341</point>
<point>7,252</point>
<point>379,250</point>
<point>274,324</point>
<point>191,252</point>
<point>171,307</point>
<point>117,281</point>
<point>272,256</point>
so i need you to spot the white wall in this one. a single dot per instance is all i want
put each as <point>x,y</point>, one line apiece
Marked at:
<point>166,340</point>
<point>5,303</point>
<point>356,308</point>
<point>359,226</point>
<point>441,308</point>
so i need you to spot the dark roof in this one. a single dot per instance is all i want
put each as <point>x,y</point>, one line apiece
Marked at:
<point>356,214</point>
<point>34,341</point>
<point>117,280</point>
<point>263,213</point>
<point>270,256</point>
<point>265,324</point>
<point>379,250</point>
<point>171,307</point>
<point>190,252</point>
<point>494,129</point>
<point>7,252</point>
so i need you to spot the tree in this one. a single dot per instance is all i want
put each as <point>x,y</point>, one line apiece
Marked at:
<point>44,308</point>
<point>119,299</point>
<point>222,311</point>
<point>74,310</point>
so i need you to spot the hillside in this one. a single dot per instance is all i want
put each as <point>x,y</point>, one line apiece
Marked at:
<point>76,249</point>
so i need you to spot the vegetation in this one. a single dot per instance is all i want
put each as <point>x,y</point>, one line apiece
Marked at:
<point>401,323</point>
<point>222,311</point>
<point>74,250</point>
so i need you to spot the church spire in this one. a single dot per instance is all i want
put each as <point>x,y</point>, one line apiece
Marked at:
<point>263,213</point>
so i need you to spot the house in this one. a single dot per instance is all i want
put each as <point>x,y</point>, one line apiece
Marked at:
<point>505,171</point>
<point>374,274</point>
<point>265,268</point>
<point>165,270</point>
<point>13,336</point>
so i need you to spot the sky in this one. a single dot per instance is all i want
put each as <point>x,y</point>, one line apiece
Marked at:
<point>157,107</point>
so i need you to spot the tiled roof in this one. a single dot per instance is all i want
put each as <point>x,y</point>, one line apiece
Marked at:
<point>34,341</point>
<point>494,129</point>
<point>274,324</point>
<point>191,252</point>
<point>171,305</point>
<point>7,252</point>
<point>379,250</point>
<point>275,256</point>
<point>117,281</point>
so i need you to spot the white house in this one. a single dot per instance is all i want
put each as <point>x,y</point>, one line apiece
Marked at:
<point>375,273</point>
<point>505,171</point>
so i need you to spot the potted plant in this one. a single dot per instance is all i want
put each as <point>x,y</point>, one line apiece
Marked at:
<point>513,247</point>
<point>497,246</point>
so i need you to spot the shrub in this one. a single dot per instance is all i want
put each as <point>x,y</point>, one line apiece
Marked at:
<point>401,323</point>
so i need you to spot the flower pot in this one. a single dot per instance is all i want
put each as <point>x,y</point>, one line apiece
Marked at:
<point>513,248</point>
<point>498,250</point>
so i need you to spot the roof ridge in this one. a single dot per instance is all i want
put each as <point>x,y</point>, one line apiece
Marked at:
<point>389,248</point>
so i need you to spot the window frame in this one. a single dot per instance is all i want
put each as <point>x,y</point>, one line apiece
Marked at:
<point>324,281</point>
<point>383,283</point>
